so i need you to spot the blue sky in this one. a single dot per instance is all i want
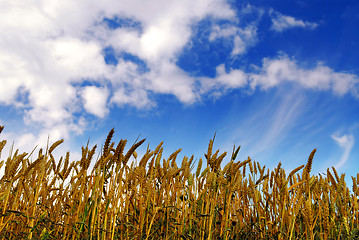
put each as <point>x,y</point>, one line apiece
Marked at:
<point>279,78</point>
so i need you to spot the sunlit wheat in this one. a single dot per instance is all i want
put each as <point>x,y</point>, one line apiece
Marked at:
<point>153,198</point>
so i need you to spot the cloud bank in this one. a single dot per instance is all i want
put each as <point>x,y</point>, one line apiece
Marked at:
<point>52,62</point>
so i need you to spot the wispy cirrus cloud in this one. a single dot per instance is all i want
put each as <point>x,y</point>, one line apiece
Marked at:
<point>346,142</point>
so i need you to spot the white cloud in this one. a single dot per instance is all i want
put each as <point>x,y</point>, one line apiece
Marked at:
<point>80,59</point>
<point>47,50</point>
<point>282,22</point>
<point>346,142</point>
<point>163,40</point>
<point>242,38</point>
<point>275,71</point>
<point>166,25</point>
<point>223,81</point>
<point>95,100</point>
<point>233,79</point>
<point>138,98</point>
<point>168,78</point>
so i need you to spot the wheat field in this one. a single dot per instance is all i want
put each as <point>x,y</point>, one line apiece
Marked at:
<point>113,197</point>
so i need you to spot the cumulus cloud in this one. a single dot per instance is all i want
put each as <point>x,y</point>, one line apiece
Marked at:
<point>48,53</point>
<point>138,98</point>
<point>166,25</point>
<point>346,142</point>
<point>242,38</point>
<point>223,81</point>
<point>277,70</point>
<point>95,100</point>
<point>168,78</point>
<point>282,22</point>
<point>241,35</point>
